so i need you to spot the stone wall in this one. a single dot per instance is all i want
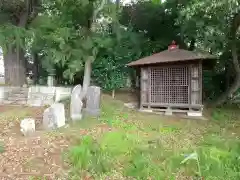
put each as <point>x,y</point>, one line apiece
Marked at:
<point>2,80</point>
<point>34,95</point>
<point>3,93</point>
<point>47,95</point>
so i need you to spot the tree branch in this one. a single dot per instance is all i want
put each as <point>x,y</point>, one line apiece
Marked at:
<point>23,18</point>
<point>235,26</point>
<point>95,13</point>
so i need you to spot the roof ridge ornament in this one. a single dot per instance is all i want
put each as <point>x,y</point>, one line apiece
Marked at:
<point>173,46</point>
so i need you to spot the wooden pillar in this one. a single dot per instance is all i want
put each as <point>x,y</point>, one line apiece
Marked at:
<point>190,85</point>
<point>195,84</point>
<point>144,87</point>
<point>149,87</point>
<point>200,82</point>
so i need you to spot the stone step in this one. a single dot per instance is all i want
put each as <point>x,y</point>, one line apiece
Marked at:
<point>21,102</point>
<point>8,102</point>
<point>11,98</point>
<point>18,94</point>
<point>18,90</point>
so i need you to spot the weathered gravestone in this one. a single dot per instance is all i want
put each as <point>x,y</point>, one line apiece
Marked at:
<point>76,103</point>
<point>54,116</point>
<point>93,101</point>
<point>27,126</point>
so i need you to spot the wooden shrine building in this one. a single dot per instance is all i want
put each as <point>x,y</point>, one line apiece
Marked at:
<point>171,80</point>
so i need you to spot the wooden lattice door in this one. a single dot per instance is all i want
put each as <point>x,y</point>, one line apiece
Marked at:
<point>169,85</point>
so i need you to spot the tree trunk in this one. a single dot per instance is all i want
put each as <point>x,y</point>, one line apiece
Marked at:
<point>113,93</point>
<point>87,76</point>
<point>88,63</point>
<point>234,87</point>
<point>15,70</point>
<point>35,68</point>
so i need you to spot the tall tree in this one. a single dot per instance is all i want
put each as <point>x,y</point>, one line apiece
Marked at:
<point>15,16</point>
<point>214,24</point>
<point>68,36</point>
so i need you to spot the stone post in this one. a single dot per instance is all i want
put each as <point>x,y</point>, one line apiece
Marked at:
<point>51,78</point>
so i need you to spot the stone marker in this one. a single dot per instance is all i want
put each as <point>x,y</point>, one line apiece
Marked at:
<point>131,105</point>
<point>27,126</point>
<point>194,114</point>
<point>93,101</point>
<point>168,112</point>
<point>50,80</point>
<point>76,103</point>
<point>2,94</point>
<point>54,116</point>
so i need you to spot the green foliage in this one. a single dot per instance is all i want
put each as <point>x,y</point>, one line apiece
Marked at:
<point>133,150</point>
<point>193,156</point>
<point>210,24</point>
<point>65,38</point>
<point>109,69</point>
<point>12,36</point>
<point>118,143</point>
<point>89,157</point>
<point>227,113</point>
<point>142,166</point>
<point>112,149</point>
<point>219,161</point>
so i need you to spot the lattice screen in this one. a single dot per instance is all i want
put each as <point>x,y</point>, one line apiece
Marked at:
<point>169,85</point>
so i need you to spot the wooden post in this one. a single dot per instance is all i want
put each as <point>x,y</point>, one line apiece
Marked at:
<point>190,85</point>
<point>149,87</point>
<point>200,83</point>
<point>144,83</point>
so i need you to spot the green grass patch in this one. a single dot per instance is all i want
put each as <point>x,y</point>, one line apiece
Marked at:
<point>147,146</point>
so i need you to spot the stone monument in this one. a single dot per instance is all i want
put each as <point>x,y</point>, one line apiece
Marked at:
<point>76,103</point>
<point>93,98</point>
<point>54,116</point>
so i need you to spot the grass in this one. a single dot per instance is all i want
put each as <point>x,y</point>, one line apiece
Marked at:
<point>126,144</point>
<point>147,146</point>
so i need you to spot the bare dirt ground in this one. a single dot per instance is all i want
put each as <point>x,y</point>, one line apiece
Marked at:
<point>28,157</point>
<point>37,157</point>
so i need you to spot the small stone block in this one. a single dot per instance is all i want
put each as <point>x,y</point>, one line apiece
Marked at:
<point>76,117</point>
<point>27,126</point>
<point>168,113</point>
<point>54,116</point>
<point>194,114</point>
<point>146,110</point>
<point>93,98</point>
<point>76,103</point>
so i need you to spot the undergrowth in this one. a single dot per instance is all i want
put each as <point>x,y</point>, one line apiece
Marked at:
<point>131,151</point>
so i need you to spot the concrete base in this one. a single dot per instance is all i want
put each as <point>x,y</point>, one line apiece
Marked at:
<point>76,117</point>
<point>90,112</point>
<point>146,110</point>
<point>168,113</point>
<point>194,114</point>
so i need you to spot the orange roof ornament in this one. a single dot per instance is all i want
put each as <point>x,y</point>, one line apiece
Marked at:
<point>173,46</point>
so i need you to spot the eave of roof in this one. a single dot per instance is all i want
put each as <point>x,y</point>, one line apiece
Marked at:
<point>174,55</point>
